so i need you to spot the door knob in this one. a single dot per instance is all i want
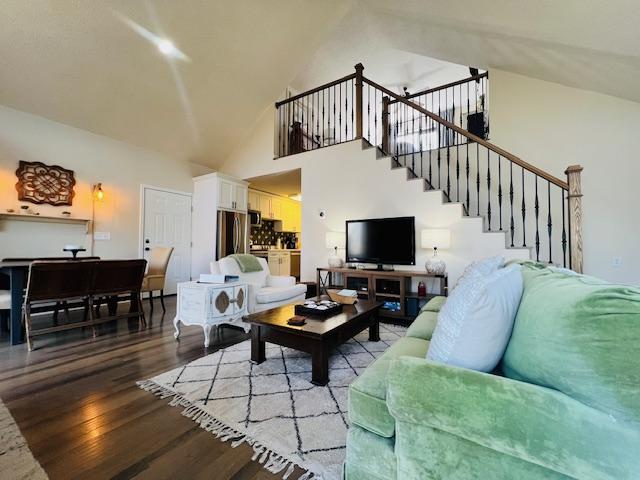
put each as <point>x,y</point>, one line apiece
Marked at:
<point>146,249</point>
<point>146,241</point>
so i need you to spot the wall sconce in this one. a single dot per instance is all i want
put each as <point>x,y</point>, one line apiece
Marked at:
<point>98,193</point>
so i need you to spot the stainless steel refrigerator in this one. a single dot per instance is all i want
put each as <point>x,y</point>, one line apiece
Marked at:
<point>232,234</point>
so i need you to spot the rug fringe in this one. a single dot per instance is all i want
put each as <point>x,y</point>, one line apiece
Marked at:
<point>270,460</point>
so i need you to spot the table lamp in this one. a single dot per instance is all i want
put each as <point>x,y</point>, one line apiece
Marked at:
<point>335,240</point>
<point>435,238</point>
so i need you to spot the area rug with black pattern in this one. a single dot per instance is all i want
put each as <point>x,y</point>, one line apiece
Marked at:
<point>273,406</point>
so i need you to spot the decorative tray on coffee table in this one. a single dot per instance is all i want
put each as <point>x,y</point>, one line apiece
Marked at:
<point>324,308</point>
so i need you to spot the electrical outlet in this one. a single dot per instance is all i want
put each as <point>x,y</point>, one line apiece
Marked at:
<point>102,235</point>
<point>616,261</point>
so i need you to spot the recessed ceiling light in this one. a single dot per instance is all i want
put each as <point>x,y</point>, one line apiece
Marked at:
<point>167,47</point>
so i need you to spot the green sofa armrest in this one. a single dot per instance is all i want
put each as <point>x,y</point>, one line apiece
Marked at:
<point>434,305</point>
<point>526,421</point>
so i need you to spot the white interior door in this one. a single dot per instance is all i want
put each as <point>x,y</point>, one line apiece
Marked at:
<point>167,223</point>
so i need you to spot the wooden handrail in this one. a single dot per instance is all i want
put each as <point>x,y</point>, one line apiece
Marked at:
<point>443,87</point>
<point>503,153</point>
<point>346,78</point>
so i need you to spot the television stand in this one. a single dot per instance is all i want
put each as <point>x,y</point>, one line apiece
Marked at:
<point>379,268</point>
<point>392,287</point>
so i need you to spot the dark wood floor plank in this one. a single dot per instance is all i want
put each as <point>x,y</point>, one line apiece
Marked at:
<point>77,404</point>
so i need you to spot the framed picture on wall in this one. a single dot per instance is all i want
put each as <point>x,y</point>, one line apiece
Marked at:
<point>39,183</point>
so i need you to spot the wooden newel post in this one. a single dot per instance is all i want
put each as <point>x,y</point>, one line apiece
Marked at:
<point>359,68</point>
<point>385,124</point>
<point>575,216</point>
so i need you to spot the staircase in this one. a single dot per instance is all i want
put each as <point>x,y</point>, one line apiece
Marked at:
<point>440,137</point>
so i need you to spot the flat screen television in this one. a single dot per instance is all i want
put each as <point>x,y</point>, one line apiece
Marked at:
<point>383,241</point>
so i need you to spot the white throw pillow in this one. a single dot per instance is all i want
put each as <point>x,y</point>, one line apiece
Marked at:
<point>474,325</point>
<point>486,266</point>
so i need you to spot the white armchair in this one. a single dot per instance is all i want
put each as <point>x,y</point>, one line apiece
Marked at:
<point>265,291</point>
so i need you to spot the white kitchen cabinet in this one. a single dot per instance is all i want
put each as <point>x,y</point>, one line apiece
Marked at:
<point>276,208</point>
<point>240,196</point>
<point>226,193</point>
<point>291,217</point>
<point>254,200</point>
<point>280,263</point>
<point>232,195</point>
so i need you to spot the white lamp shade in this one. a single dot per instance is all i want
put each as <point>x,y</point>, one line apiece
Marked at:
<point>436,237</point>
<point>335,239</point>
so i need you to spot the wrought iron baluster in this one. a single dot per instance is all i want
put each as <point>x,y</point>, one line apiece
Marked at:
<point>564,231</point>
<point>290,125</point>
<point>301,108</point>
<point>339,114</point>
<point>536,209</point>
<point>413,142</point>
<point>368,113</point>
<point>334,116</point>
<point>430,148</point>
<point>307,100</point>
<point>346,112</point>
<point>478,177</point>
<point>549,220</point>
<point>489,188</point>
<point>512,225</point>
<point>397,114</point>
<point>467,170</point>
<point>448,142</point>
<point>439,126</point>
<point>317,136</point>
<point>323,121</point>
<point>353,99</point>
<point>500,191</point>
<point>375,116</point>
<point>524,214</point>
<point>421,146</point>
<point>448,169</point>
<point>278,114</point>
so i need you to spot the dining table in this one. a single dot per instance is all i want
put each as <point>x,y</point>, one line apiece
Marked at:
<point>18,270</point>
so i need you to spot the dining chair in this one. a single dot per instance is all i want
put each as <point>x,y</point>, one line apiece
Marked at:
<point>155,277</point>
<point>112,278</point>
<point>5,309</point>
<point>56,281</point>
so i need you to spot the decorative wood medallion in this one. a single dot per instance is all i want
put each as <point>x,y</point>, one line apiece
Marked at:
<point>240,297</point>
<point>222,302</point>
<point>39,183</point>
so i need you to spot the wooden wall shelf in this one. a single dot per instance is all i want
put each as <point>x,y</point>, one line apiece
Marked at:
<point>47,219</point>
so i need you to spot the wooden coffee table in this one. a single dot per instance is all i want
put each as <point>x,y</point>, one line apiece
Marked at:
<point>317,337</point>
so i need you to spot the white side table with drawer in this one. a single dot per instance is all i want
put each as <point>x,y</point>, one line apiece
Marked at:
<point>209,304</point>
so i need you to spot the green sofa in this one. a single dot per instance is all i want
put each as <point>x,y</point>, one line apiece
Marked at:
<point>564,403</point>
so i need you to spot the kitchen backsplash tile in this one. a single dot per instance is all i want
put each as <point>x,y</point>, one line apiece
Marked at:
<point>265,234</point>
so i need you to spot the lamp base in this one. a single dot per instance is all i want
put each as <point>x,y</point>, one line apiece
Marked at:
<point>335,262</point>
<point>435,266</point>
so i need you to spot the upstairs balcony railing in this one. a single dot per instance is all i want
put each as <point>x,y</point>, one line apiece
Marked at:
<point>534,208</point>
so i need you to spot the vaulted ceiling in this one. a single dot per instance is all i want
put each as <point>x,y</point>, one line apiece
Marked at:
<point>86,65</point>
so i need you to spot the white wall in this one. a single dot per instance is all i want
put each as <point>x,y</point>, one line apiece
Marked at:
<point>120,167</point>
<point>552,127</point>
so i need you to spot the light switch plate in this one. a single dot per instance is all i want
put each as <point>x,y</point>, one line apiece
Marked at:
<point>102,235</point>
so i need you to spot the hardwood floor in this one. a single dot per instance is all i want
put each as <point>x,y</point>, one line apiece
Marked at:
<point>77,404</point>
